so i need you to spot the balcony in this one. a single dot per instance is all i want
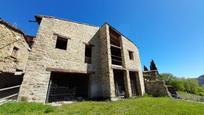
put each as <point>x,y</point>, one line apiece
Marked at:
<point>115,42</point>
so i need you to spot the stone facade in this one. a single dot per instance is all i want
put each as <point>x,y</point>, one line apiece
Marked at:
<point>14,50</point>
<point>45,59</point>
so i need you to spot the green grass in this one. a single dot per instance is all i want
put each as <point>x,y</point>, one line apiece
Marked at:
<point>24,108</point>
<point>189,96</point>
<point>138,106</point>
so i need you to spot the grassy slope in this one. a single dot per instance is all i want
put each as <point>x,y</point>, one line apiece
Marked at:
<point>139,106</point>
<point>192,97</point>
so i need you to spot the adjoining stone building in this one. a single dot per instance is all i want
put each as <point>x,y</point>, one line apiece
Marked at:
<point>14,52</point>
<point>71,60</point>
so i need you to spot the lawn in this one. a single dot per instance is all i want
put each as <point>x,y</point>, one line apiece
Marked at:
<point>138,106</point>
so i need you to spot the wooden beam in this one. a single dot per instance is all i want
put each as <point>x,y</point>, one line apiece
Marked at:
<point>8,88</point>
<point>7,97</point>
<point>118,67</point>
<point>115,46</point>
<point>89,44</point>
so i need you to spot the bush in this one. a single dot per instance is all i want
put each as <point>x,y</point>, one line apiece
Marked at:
<point>178,84</point>
<point>181,84</point>
<point>191,86</point>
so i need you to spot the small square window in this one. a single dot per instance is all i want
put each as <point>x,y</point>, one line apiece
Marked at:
<point>88,49</point>
<point>131,55</point>
<point>14,52</point>
<point>61,43</point>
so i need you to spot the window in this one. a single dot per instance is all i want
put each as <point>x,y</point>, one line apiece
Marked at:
<point>131,55</point>
<point>14,52</point>
<point>88,54</point>
<point>61,43</point>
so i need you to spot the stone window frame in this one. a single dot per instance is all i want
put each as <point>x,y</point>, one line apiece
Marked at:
<point>131,54</point>
<point>14,52</point>
<point>85,58</point>
<point>61,37</point>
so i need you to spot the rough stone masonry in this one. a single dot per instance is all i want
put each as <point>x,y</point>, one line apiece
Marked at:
<point>14,52</point>
<point>71,60</point>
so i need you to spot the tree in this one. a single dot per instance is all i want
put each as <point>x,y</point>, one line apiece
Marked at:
<point>145,68</point>
<point>153,65</point>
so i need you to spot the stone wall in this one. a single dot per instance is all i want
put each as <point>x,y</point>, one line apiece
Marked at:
<point>44,55</point>
<point>10,39</point>
<point>156,88</point>
<point>104,65</point>
<point>107,76</point>
<point>132,65</point>
<point>151,75</point>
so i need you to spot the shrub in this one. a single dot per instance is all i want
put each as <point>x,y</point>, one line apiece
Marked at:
<point>181,84</point>
<point>178,84</point>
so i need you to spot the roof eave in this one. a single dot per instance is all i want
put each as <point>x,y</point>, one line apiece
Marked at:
<point>38,19</point>
<point>11,26</point>
<point>120,33</point>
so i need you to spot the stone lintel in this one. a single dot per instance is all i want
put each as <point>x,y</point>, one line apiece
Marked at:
<point>92,45</point>
<point>56,34</point>
<point>133,70</point>
<point>118,67</point>
<point>67,70</point>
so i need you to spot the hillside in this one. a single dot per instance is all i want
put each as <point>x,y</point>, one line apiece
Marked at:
<point>201,80</point>
<point>138,106</point>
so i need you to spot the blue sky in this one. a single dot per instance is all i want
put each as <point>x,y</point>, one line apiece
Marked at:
<point>169,31</point>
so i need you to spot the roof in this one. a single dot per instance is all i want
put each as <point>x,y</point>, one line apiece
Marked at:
<point>26,37</point>
<point>39,18</point>
<point>11,26</point>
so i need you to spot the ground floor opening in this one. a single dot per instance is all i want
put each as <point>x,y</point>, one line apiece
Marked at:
<point>119,82</point>
<point>10,85</point>
<point>134,82</point>
<point>67,87</point>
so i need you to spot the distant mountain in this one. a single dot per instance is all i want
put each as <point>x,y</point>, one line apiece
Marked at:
<point>201,80</point>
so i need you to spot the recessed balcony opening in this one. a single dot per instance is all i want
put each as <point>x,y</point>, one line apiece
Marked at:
<point>116,56</point>
<point>115,42</point>
<point>114,38</point>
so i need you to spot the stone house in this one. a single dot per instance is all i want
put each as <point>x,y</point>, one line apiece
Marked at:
<point>14,52</point>
<point>74,61</point>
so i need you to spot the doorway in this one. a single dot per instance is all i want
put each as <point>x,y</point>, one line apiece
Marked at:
<point>134,82</point>
<point>119,82</point>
